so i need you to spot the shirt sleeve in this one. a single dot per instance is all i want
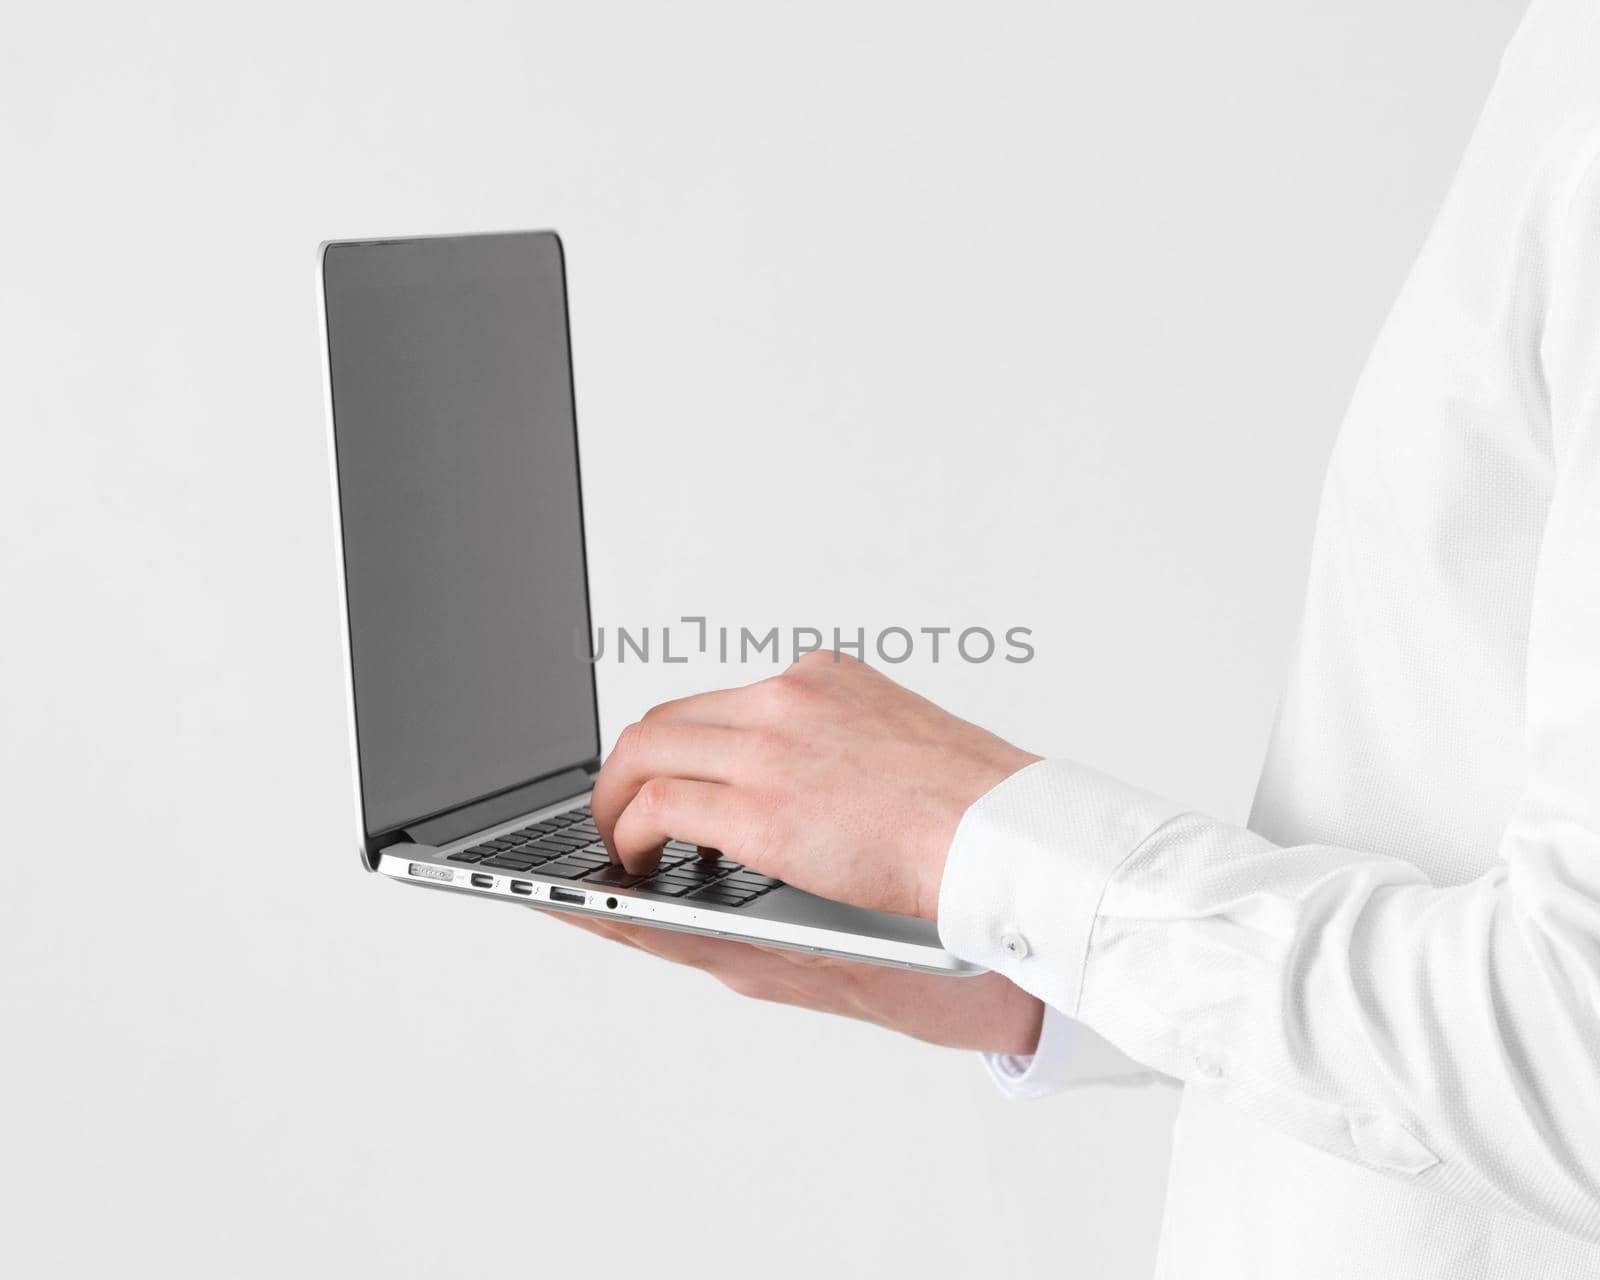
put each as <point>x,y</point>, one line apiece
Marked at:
<point>1069,1055</point>
<point>1448,1034</point>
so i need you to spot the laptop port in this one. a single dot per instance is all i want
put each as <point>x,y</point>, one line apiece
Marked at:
<point>569,896</point>
<point>611,903</point>
<point>524,887</point>
<point>480,881</point>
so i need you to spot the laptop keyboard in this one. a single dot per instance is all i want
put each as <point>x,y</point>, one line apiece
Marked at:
<point>568,847</point>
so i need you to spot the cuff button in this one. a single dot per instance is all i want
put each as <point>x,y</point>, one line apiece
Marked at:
<point>1015,946</point>
<point>1206,1066</point>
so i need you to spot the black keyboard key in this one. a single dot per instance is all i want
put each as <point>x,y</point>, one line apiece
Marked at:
<point>698,877</point>
<point>544,846</point>
<point>471,855</point>
<point>615,877</point>
<point>510,861</point>
<point>561,869</point>
<point>732,882</point>
<point>724,897</point>
<point>669,888</point>
<point>728,886</point>
<point>753,880</point>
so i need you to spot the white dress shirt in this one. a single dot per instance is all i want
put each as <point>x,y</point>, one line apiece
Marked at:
<point>1383,996</point>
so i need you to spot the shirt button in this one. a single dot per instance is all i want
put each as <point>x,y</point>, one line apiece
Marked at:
<point>1205,1066</point>
<point>1015,946</point>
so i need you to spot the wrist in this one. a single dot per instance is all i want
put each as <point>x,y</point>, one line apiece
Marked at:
<point>1019,1036</point>
<point>1002,764</point>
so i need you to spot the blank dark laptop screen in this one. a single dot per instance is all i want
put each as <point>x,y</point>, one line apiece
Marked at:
<point>463,534</point>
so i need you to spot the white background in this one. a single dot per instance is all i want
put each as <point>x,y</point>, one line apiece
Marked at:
<point>918,314</point>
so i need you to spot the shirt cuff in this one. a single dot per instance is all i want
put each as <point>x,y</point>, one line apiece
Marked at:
<point>1069,1054</point>
<point>1027,868</point>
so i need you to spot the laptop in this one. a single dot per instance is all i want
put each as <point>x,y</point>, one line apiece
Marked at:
<point>471,690</point>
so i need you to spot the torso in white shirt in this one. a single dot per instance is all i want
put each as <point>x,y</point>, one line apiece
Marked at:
<point>1401,729</point>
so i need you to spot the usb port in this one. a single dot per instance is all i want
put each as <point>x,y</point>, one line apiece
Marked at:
<point>524,887</point>
<point>570,896</point>
<point>480,881</point>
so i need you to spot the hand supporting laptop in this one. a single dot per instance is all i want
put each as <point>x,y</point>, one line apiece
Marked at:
<point>836,780</point>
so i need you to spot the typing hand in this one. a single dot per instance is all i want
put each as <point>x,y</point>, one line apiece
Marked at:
<point>830,777</point>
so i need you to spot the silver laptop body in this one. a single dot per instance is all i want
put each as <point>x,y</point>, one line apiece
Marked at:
<point>464,585</point>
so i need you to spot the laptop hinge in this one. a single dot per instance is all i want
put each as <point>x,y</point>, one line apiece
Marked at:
<point>445,827</point>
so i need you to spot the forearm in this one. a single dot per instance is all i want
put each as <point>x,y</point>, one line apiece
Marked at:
<point>1449,1034</point>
